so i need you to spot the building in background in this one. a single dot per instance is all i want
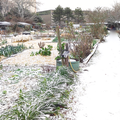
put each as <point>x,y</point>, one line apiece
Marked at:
<point>47,17</point>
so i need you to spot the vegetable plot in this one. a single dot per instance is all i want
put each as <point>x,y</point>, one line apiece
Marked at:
<point>9,50</point>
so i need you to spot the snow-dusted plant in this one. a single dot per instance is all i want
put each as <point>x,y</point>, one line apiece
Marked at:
<point>79,45</point>
<point>45,100</point>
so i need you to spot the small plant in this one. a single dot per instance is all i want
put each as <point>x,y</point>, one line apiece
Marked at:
<point>32,54</point>
<point>4,92</point>
<point>63,47</point>
<point>36,53</point>
<point>43,51</point>
<point>58,57</point>
<point>50,47</point>
<point>1,66</point>
<point>94,42</point>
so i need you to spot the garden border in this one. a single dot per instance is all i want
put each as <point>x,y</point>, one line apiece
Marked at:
<point>87,59</point>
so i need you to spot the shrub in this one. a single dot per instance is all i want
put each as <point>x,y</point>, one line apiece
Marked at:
<point>81,46</point>
<point>43,51</point>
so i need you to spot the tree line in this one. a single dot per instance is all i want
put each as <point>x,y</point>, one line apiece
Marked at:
<point>67,15</point>
<point>109,15</point>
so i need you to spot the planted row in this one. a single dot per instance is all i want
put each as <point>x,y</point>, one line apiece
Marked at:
<point>9,50</point>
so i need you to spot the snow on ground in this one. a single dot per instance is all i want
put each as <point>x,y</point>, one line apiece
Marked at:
<point>97,97</point>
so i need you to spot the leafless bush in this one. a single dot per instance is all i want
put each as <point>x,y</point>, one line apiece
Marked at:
<point>98,17</point>
<point>41,44</point>
<point>81,46</point>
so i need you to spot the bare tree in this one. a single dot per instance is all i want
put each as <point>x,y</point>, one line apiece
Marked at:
<point>116,11</point>
<point>98,17</point>
<point>23,5</point>
<point>114,14</point>
<point>5,6</point>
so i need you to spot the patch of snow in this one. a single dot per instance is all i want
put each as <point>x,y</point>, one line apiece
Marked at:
<point>97,96</point>
<point>71,60</point>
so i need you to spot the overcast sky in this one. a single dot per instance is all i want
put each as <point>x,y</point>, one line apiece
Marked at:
<point>83,4</point>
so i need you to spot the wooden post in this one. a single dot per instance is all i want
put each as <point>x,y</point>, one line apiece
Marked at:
<point>66,59</point>
<point>59,42</point>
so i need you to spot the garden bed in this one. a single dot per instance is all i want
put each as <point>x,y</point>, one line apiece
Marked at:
<point>24,57</point>
<point>20,76</point>
<point>33,93</point>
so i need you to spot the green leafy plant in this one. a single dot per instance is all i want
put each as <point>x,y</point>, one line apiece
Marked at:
<point>43,51</point>
<point>36,53</point>
<point>58,57</point>
<point>94,42</point>
<point>9,50</point>
<point>4,92</point>
<point>32,54</point>
<point>63,46</point>
<point>50,47</point>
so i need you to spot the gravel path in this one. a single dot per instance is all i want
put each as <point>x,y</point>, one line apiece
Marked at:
<point>97,97</point>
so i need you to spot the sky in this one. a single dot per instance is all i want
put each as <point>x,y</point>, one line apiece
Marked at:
<point>72,4</point>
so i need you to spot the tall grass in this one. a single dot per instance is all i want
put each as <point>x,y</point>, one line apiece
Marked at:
<point>45,100</point>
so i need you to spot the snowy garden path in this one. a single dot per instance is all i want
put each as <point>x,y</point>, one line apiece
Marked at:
<point>98,95</point>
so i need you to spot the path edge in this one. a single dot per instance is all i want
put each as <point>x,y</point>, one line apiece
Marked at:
<point>87,59</point>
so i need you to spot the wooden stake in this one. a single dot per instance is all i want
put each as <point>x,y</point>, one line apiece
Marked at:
<point>59,42</point>
<point>66,59</point>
